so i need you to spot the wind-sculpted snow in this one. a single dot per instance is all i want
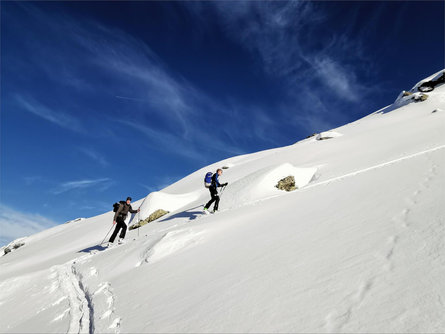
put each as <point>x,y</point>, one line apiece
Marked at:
<point>170,243</point>
<point>170,202</point>
<point>262,184</point>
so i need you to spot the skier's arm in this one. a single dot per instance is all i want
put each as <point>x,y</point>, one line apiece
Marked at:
<point>222,184</point>
<point>133,211</point>
<point>216,181</point>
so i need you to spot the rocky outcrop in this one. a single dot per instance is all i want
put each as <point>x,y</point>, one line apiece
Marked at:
<point>328,135</point>
<point>155,215</point>
<point>287,184</point>
<point>406,97</point>
<point>406,93</point>
<point>13,246</point>
<point>74,220</point>
<point>420,97</point>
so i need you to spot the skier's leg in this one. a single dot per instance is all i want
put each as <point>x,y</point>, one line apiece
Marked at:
<point>211,200</point>
<point>215,208</point>
<point>209,203</point>
<point>115,232</point>
<point>124,230</point>
<point>215,198</point>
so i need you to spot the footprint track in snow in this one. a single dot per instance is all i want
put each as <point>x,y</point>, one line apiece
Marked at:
<point>104,298</point>
<point>336,320</point>
<point>116,325</point>
<point>340,317</point>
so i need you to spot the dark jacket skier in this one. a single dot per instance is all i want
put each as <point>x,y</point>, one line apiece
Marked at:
<point>119,219</point>
<point>214,192</point>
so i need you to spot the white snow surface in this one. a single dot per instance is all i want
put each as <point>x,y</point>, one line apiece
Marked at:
<point>359,247</point>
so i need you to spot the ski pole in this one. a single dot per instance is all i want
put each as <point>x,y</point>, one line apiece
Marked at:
<point>139,219</point>
<point>106,235</point>
<point>139,213</point>
<point>224,188</point>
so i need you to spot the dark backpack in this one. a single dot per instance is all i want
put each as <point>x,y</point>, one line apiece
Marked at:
<point>116,205</point>
<point>208,179</point>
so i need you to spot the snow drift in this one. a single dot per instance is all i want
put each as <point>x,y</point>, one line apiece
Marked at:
<point>169,202</point>
<point>260,184</point>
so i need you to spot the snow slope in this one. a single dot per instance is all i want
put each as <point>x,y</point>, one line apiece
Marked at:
<point>357,248</point>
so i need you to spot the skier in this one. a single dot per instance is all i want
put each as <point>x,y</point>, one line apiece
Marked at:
<point>119,219</point>
<point>214,192</point>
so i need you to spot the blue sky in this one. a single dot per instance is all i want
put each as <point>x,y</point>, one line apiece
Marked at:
<point>101,100</point>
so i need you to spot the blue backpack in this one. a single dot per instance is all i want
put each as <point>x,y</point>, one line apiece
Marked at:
<point>208,179</point>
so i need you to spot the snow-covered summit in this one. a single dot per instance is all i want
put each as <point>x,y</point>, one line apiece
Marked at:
<point>358,247</point>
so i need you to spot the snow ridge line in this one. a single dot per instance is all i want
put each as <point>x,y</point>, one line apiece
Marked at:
<point>375,167</point>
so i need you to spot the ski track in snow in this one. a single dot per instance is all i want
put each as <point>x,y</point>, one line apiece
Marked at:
<point>401,220</point>
<point>339,318</point>
<point>338,178</point>
<point>375,167</point>
<point>81,302</point>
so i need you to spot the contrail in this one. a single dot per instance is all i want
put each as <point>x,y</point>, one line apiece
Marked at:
<point>129,98</point>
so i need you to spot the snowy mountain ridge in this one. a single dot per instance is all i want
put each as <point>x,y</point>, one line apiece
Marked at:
<point>358,247</point>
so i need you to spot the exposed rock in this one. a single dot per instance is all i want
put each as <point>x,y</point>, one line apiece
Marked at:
<point>328,135</point>
<point>228,165</point>
<point>405,93</point>
<point>16,244</point>
<point>287,184</point>
<point>74,220</point>
<point>312,135</point>
<point>420,97</point>
<point>436,110</point>
<point>155,215</point>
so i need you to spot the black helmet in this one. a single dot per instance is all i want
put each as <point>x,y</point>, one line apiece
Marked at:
<point>129,198</point>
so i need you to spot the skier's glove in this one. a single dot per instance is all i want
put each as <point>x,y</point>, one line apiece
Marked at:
<point>225,184</point>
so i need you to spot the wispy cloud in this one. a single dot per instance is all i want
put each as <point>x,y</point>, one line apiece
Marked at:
<point>137,74</point>
<point>270,30</point>
<point>15,224</point>
<point>101,184</point>
<point>96,156</point>
<point>280,35</point>
<point>170,110</point>
<point>30,180</point>
<point>337,78</point>
<point>58,117</point>
<point>163,182</point>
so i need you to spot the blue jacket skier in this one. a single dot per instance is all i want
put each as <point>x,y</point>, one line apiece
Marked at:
<point>214,192</point>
